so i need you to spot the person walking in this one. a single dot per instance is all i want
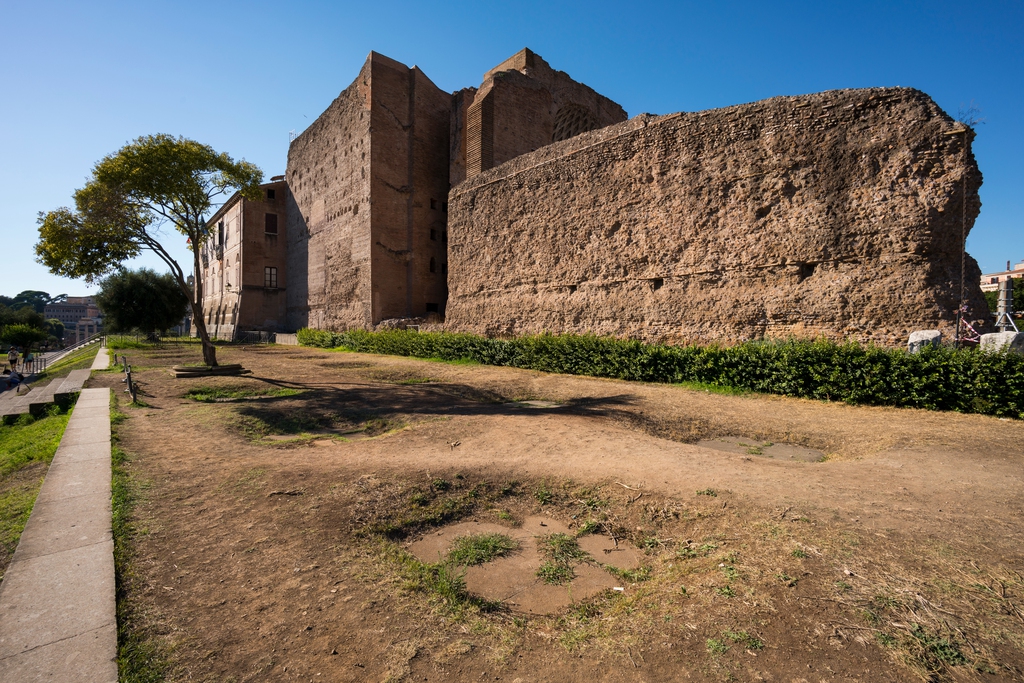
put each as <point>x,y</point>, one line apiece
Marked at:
<point>12,357</point>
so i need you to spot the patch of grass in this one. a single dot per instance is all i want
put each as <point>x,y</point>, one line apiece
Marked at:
<point>127,343</point>
<point>937,650</point>
<point>708,492</point>
<point>415,380</point>
<point>716,647</point>
<point>76,360</point>
<point>258,422</point>
<point>688,552</point>
<point>481,548</point>
<point>544,495</point>
<point>425,510</point>
<point>726,591</point>
<point>561,552</point>
<point>30,440</point>
<point>786,579</point>
<point>745,639</point>
<point>505,516</point>
<point>207,394</point>
<point>554,573</point>
<point>799,553</point>
<point>440,484</point>
<point>140,658</point>
<point>588,527</point>
<point>884,639</point>
<point>638,575</point>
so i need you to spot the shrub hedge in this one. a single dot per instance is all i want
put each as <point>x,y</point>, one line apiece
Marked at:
<point>963,380</point>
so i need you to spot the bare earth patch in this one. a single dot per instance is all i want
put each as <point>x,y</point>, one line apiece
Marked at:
<point>322,557</point>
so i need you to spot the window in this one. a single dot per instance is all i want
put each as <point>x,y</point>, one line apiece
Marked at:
<point>270,194</point>
<point>270,277</point>
<point>433,266</point>
<point>220,233</point>
<point>270,224</point>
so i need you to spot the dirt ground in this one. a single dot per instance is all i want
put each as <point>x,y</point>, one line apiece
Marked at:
<point>277,531</point>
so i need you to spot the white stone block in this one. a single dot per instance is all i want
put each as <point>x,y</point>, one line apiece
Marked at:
<point>999,341</point>
<point>923,338</point>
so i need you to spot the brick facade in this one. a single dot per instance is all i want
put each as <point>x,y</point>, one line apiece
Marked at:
<point>245,265</point>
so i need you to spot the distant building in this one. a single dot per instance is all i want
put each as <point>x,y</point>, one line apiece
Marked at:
<point>243,264</point>
<point>79,314</point>
<point>990,281</point>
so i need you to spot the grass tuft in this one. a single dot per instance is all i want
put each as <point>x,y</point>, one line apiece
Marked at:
<point>481,548</point>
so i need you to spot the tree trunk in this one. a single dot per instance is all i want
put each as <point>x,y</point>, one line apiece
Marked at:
<point>209,350</point>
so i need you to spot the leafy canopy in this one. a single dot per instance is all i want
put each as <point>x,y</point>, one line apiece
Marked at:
<point>141,300</point>
<point>152,182</point>
<point>31,298</point>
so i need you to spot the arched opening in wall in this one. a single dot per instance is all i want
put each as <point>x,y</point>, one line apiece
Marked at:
<point>571,120</point>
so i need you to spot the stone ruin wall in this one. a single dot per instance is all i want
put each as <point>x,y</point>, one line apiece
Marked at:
<point>410,120</point>
<point>365,217</point>
<point>328,217</point>
<point>836,214</point>
<point>522,105</point>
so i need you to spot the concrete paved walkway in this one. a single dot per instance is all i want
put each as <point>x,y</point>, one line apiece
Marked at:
<point>102,359</point>
<point>57,614</point>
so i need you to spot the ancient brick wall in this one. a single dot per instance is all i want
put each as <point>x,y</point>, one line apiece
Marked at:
<point>328,217</point>
<point>410,118</point>
<point>523,105</point>
<point>369,185</point>
<point>835,214</point>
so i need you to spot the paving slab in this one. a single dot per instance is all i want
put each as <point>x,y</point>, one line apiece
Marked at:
<point>64,524</point>
<point>57,596</point>
<point>102,359</point>
<point>86,431</point>
<point>67,660</point>
<point>67,478</point>
<point>73,382</point>
<point>96,450</point>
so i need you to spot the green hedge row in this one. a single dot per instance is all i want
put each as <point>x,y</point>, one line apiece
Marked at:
<point>964,380</point>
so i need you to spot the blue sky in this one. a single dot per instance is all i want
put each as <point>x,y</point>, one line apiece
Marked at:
<point>81,79</point>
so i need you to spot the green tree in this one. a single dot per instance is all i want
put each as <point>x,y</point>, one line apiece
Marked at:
<point>35,300</point>
<point>21,334</point>
<point>55,328</point>
<point>141,300</point>
<point>22,316</point>
<point>156,180</point>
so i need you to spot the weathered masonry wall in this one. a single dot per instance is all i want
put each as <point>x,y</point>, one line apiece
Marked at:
<point>835,214</point>
<point>522,105</point>
<point>328,215</point>
<point>410,119</point>
<point>367,226</point>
